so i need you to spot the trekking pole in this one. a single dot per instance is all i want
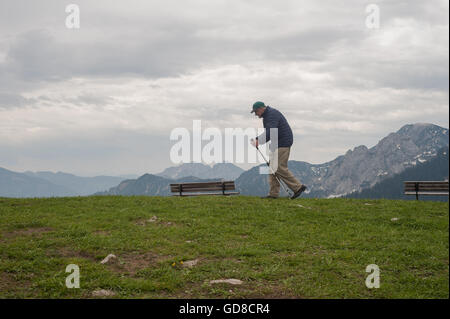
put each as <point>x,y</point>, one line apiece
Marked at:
<point>273,173</point>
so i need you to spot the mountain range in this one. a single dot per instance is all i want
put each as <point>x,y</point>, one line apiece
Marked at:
<point>359,169</point>
<point>49,184</point>
<point>78,185</point>
<point>149,184</point>
<point>14,184</point>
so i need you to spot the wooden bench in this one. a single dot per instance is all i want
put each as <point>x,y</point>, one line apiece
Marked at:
<point>426,188</point>
<point>203,188</point>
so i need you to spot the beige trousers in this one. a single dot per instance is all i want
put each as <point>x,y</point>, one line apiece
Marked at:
<point>281,170</point>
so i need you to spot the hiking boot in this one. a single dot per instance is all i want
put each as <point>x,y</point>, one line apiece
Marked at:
<point>299,192</point>
<point>269,196</point>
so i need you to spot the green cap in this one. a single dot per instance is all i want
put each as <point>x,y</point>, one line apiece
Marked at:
<point>257,105</point>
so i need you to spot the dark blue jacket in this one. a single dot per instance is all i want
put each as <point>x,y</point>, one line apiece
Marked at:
<point>272,118</point>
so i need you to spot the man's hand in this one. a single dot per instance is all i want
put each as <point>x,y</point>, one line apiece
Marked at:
<point>254,143</point>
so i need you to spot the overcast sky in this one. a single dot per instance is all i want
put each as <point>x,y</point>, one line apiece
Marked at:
<point>103,99</point>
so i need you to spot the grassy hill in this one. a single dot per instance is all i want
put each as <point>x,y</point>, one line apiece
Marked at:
<point>306,248</point>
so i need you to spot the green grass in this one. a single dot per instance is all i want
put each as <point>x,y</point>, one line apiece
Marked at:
<point>277,248</point>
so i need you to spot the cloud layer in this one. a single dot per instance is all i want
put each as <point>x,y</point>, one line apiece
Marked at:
<point>136,70</point>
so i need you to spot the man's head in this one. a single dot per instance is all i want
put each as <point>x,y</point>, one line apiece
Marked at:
<point>258,109</point>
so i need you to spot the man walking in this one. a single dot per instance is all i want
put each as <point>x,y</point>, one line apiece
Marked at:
<point>273,119</point>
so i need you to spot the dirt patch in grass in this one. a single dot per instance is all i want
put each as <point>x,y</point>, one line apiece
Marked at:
<point>316,251</point>
<point>131,263</point>
<point>102,233</point>
<point>168,223</point>
<point>222,259</point>
<point>10,284</point>
<point>141,222</point>
<point>69,253</point>
<point>286,254</point>
<point>27,232</point>
<point>21,204</point>
<point>7,281</point>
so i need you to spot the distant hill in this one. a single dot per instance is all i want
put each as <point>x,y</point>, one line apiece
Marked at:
<point>14,184</point>
<point>392,188</point>
<point>226,171</point>
<point>151,185</point>
<point>78,185</point>
<point>49,184</point>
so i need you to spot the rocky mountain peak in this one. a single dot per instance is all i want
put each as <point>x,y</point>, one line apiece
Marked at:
<point>363,167</point>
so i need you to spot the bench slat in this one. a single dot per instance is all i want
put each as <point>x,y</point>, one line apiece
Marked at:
<point>427,193</point>
<point>203,183</point>
<point>427,184</point>
<point>204,194</point>
<point>203,189</point>
<point>201,186</point>
<point>426,188</point>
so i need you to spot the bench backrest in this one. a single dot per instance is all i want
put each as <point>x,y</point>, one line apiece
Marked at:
<point>202,187</point>
<point>426,186</point>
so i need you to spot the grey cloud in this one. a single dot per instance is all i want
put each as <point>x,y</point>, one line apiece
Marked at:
<point>152,40</point>
<point>11,100</point>
<point>17,100</point>
<point>435,12</point>
<point>91,99</point>
<point>176,46</point>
